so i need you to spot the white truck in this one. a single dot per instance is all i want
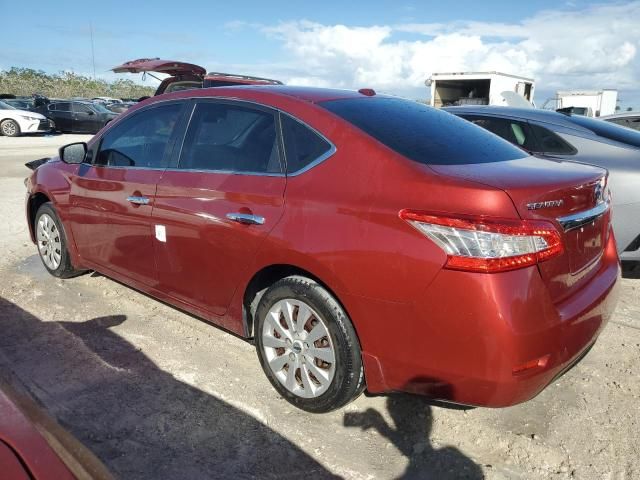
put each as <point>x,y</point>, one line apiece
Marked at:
<point>480,88</point>
<point>591,103</point>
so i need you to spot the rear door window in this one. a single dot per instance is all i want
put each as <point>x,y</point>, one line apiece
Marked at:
<point>140,141</point>
<point>619,121</point>
<point>231,137</point>
<point>634,122</point>
<point>422,133</point>
<point>303,146</point>
<point>81,108</point>
<point>514,131</point>
<point>62,107</point>
<point>629,122</point>
<point>608,130</point>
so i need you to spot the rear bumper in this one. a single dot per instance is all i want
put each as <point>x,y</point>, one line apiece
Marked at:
<point>466,338</point>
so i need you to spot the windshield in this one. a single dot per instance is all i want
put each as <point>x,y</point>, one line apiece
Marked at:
<point>6,106</point>
<point>609,130</point>
<point>101,108</point>
<point>423,133</point>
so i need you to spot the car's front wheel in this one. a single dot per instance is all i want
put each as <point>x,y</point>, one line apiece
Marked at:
<point>10,128</point>
<point>307,346</point>
<point>52,243</point>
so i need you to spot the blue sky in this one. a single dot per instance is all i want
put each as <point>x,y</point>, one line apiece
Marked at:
<point>390,45</point>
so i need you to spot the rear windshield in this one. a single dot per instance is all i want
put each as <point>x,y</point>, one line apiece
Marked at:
<point>609,130</point>
<point>423,133</point>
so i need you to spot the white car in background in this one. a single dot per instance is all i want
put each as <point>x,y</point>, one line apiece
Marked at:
<point>14,122</point>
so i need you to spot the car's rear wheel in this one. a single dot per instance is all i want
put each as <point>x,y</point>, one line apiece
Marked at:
<point>52,243</point>
<point>307,345</point>
<point>10,128</point>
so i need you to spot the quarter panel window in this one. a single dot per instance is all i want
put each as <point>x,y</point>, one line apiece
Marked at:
<point>140,141</point>
<point>302,145</point>
<point>552,143</point>
<point>230,137</point>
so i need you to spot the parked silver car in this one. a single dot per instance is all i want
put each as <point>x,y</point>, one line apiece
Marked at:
<point>578,139</point>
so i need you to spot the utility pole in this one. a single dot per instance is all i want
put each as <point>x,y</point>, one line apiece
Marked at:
<point>93,57</point>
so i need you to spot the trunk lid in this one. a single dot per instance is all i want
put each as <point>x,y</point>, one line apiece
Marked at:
<point>573,196</point>
<point>170,67</point>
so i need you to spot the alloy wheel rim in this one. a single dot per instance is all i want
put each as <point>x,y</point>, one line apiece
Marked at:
<point>49,242</point>
<point>298,348</point>
<point>8,128</point>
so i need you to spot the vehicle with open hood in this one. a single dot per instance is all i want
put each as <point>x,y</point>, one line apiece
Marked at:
<point>187,76</point>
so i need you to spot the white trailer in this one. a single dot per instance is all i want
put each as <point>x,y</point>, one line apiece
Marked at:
<point>592,103</point>
<point>480,88</point>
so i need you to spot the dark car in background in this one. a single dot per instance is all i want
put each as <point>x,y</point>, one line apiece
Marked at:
<point>75,116</point>
<point>576,138</point>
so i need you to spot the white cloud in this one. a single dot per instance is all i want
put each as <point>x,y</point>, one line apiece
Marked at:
<point>595,47</point>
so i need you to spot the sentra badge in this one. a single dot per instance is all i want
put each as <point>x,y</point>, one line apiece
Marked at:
<point>547,204</point>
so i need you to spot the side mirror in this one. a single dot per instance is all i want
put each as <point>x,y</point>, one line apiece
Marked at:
<point>91,113</point>
<point>73,153</point>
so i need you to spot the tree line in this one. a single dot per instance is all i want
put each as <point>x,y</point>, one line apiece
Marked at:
<point>27,81</point>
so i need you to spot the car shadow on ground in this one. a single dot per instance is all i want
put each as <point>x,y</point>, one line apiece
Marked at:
<point>143,423</point>
<point>412,422</point>
<point>138,419</point>
<point>631,270</point>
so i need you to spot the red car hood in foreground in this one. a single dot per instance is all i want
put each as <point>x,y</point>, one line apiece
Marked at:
<point>34,447</point>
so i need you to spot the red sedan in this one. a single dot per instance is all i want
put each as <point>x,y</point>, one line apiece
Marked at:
<point>363,241</point>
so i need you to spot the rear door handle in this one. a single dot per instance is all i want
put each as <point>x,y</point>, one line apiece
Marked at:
<point>246,218</point>
<point>138,200</point>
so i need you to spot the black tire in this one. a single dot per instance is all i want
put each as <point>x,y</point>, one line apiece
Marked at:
<point>64,269</point>
<point>10,128</point>
<point>348,377</point>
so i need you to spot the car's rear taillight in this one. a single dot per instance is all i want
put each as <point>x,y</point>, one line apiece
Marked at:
<point>483,244</point>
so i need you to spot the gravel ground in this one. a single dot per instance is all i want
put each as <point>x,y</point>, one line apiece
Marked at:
<point>158,394</point>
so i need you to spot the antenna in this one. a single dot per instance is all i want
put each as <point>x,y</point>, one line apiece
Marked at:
<point>93,57</point>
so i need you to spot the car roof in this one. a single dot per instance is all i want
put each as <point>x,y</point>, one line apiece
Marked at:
<point>82,102</point>
<point>308,94</point>
<point>546,116</point>
<point>241,79</point>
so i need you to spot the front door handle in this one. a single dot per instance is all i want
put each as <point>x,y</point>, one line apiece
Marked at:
<point>246,218</point>
<point>138,200</point>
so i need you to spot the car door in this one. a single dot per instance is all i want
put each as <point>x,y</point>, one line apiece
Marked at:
<point>85,119</point>
<point>62,116</point>
<point>112,196</point>
<point>213,211</point>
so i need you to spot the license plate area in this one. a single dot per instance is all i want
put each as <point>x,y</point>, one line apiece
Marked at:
<point>585,244</point>
<point>585,235</point>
